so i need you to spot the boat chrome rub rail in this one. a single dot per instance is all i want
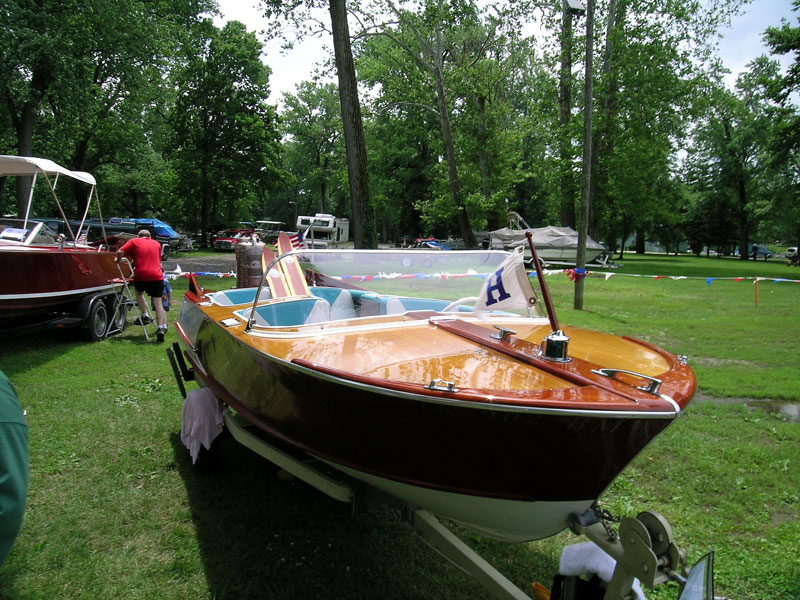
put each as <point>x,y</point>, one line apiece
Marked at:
<point>491,399</point>
<point>185,337</point>
<point>59,293</point>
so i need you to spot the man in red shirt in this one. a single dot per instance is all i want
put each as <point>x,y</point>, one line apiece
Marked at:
<point>148,277</point>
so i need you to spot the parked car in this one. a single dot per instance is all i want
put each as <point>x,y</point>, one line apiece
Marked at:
<point>159,230</point>
<point>268,230</point>
<point>228,238</point>
<point>760,251</point>
<point>791,252</point>
<point>112,233</point>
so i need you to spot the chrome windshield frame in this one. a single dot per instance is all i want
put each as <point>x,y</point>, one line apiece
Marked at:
<point>496,256</point>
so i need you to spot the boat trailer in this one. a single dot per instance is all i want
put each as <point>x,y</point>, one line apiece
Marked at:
<point>643,549</point>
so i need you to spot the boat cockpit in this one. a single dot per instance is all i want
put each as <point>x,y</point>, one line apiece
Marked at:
<point>376,284</point>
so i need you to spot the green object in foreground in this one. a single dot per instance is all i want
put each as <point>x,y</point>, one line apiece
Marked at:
<point>13,465</point>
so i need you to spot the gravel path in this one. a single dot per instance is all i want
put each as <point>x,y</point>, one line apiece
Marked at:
<point>224,262</point>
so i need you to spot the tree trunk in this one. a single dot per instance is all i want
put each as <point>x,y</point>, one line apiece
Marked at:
<point>602,140</point>
<point>40,82</point>
<point>741,194</point>
<point>640,241</point>
<point>586,175</point>
<point>452,171</point>
<point>204,224</point>
<point>484,164</point>
<point>25,148</point>
<point>135,197</point>
<point>565,105</point>
<point>323,192</point>
<point>362,212</point>
<point>744,226</point>
<point>626,229</point>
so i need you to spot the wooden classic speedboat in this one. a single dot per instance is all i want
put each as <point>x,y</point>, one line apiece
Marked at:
<point>45,275</point>
<point>435,377</point>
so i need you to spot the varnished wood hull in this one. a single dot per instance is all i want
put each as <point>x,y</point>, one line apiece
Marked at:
<point>40,279</point>
<point>511,452</point>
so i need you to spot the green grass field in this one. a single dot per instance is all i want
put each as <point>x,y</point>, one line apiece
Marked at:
<point>116,510</point>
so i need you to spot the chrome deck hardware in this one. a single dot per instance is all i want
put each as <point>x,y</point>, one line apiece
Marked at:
<point>502,333</point>
<point>651,388</point>
<point>555,346</point>
<point>442,386</point>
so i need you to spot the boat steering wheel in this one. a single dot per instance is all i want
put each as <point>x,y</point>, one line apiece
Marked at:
<point>459,302</point>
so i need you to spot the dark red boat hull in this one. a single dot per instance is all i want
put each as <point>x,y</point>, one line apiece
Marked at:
<point>36,280</point>
<point>547,455</point>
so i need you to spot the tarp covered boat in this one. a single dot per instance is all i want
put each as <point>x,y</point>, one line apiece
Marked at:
<point>435,377</point>
<point>553,244</point>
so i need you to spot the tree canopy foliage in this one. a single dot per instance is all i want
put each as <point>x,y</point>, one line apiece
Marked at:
<point>466,109</point>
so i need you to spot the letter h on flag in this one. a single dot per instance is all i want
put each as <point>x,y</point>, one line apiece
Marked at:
<point>508,287</point>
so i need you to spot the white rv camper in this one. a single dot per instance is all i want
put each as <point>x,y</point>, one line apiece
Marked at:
<point>323,231</point>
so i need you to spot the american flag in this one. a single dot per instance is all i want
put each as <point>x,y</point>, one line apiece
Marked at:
<point>82,238</point>
<point>298,240</point>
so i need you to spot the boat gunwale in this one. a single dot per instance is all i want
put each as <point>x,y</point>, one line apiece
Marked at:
<point>466,397</point>
<point>432,317</point>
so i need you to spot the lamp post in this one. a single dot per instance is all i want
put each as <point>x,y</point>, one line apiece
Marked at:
<point>570,9</point>
<point>586,171</point>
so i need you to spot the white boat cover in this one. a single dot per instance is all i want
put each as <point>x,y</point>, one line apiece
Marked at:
<point>29,165</point>
<point>543,237</point>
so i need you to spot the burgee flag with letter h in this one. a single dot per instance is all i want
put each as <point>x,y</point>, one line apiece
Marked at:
<point>508,287</point>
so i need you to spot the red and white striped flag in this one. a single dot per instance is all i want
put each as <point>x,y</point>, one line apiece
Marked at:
<point>82,238</point>
<point>298,240</point>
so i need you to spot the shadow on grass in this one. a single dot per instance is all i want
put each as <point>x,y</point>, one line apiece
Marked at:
<point>262,537</point>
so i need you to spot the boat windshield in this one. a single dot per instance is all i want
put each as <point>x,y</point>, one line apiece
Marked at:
<point>420,273</point>
<point>14,231</point>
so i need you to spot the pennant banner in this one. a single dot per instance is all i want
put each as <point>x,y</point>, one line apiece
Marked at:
<point>514,266</point>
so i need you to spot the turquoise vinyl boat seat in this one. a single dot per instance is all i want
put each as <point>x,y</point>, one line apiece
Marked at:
<point>291,313</point>
<point>238,296</point>
<point>326,304</point>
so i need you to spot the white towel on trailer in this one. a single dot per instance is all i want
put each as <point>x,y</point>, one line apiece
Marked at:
<point>588,557</point>
<point>201,420</point>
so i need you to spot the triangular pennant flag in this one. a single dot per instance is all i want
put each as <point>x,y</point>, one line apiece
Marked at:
<point>508,287</point>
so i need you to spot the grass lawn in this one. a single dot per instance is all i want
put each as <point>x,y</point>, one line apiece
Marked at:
<point>116,510</point>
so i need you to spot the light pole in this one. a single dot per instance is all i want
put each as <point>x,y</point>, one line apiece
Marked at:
<point>570,9</point>
<point>586,171</point>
